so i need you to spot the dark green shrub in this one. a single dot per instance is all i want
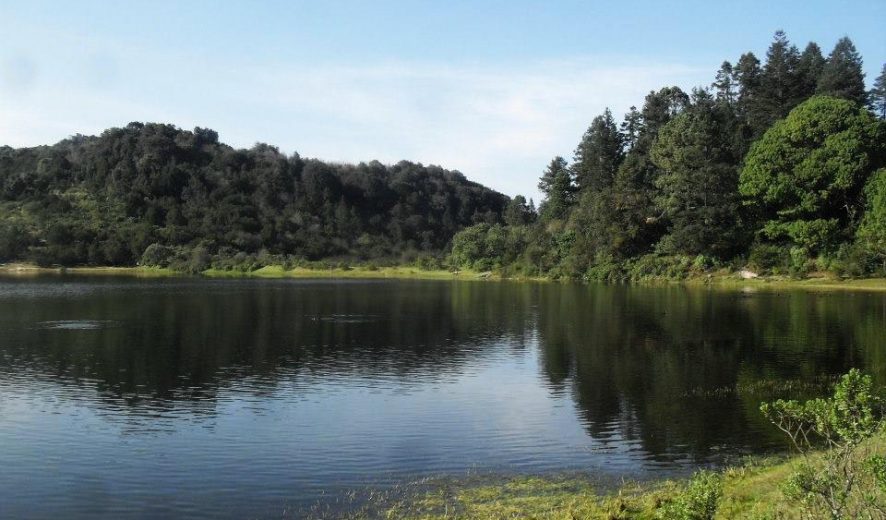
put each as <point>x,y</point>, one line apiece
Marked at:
<point>157,255</point>
<point>699,501</point>
<point>830,487</point>
<point>769,258</point>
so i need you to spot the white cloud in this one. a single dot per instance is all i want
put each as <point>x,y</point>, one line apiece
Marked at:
<point>499,125</point>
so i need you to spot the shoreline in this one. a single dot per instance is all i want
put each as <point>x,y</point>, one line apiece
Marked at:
<point>750,488</point>
<point>718,280</point>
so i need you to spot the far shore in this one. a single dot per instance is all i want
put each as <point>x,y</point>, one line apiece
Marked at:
<point>721,279</point>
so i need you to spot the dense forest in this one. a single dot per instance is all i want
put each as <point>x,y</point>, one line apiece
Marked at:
<point>157,195</point>
<point>778,166</point>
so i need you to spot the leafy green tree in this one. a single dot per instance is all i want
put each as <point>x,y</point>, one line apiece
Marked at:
<point>807,172</point>
<point>518,212</point>
<point>559,188</point>
<point>842,75</point>
<point>103,200</point>
<point>871,234</point>
<point>698,177</point>
<point>599,154</point>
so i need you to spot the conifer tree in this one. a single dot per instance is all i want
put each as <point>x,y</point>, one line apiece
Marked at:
<point>630,128</point>
<point>559,188</point>
<point>809,69</point>
<point>780,85</point>
<point>724,83</point>
<point>747,76</point>
<point>599,154</point>
<point>878,94</point>
<point>842,74</point>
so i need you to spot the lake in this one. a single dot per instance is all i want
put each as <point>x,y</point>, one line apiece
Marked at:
<point>182,397</point>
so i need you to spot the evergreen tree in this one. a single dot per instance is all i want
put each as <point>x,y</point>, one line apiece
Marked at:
<point>599,154</point>
<point>559,189</point>
<point>724,84</point>
<point>747,76</point>
<point>878,94</point>
<point>842,75</point>
<point>809,69</point>
<point>699,172</point>
<point>630,127</point>
<point>780,85</point>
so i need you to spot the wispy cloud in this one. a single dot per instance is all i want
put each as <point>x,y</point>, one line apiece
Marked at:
<point>499,125</point>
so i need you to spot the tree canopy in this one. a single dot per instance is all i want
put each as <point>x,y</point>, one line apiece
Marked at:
<point>807,172</point>
<point>757,170</point>
<point>104,200</point>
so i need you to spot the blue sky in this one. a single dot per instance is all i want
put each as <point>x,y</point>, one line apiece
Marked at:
<point>493,89</point>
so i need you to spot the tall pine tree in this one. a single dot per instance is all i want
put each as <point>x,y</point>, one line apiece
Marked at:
<point>699,173</point>
<point>599,154</point>
<point>842,75</point>
<point>809,69</point>
<point>747,76</point>
<point>878,94</point>
<point>559,189</point>
<point>724,83</point>
<point>780,85</point>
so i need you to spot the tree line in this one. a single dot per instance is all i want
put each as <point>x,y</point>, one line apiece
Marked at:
<point>158,195</point>
<point>777,165</point>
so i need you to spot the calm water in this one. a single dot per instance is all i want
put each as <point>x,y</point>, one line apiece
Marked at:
<point>186,398</point>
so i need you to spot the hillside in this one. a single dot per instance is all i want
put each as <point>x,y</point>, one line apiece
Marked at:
<point>184,196</point>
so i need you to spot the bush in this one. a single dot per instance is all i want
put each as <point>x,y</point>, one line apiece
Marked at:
<point>830,487</point>
<point>769,258</point>
<point>157,255</point>
<point>699,501</point>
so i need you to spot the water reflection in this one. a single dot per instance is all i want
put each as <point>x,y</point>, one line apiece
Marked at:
<point>368,380</point>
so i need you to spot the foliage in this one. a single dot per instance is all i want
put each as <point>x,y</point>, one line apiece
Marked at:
<point>828,487</point>
<point>878,94</point>
<point>104,200</point>
<point>599,154</point>
<point>871,234</point>
<point>758,169</point>
<point>698,177</point>
<point>842,74</point>
<point>484,247</point>
<point>558,185</point>
<point>806,173</point>
<point>699,501</point>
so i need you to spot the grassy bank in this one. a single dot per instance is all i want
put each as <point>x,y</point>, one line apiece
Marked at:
<point>752,490</point>
<point>726,280</point>
<point>26,270</point>
<point>404,272</point>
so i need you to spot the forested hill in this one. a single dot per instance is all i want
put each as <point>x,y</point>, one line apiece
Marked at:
<point>779,165</point>
<point>167,195</point>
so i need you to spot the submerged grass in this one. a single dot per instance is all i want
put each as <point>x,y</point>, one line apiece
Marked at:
<point>751,490</point>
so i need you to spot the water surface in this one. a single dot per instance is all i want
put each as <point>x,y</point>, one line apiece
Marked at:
<point>134,398</point>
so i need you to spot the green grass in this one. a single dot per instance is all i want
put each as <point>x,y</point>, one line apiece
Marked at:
<point>721,280</point>
<point>277,271</point>
<point>751,491</point>
<point>32,270</point>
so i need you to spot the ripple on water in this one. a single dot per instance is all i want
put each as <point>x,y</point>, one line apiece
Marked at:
<point>77,324</point>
